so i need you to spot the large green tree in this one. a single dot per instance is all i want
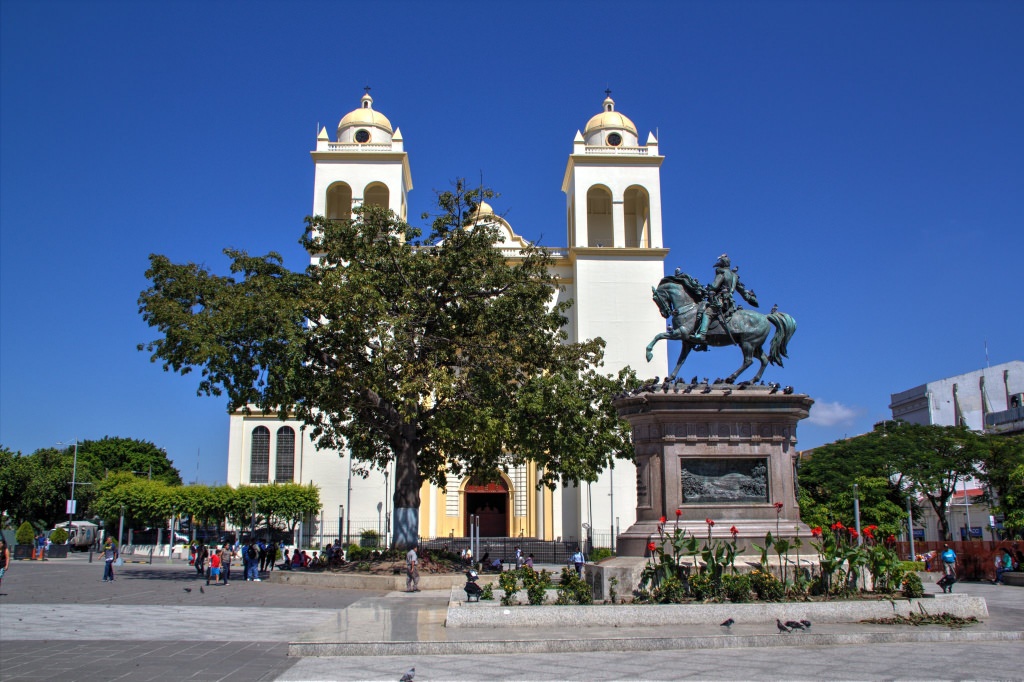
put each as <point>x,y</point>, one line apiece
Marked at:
<point>1003,473</point>
<point>892,461</point>
<point>438,353</point>
<point>111,454</point>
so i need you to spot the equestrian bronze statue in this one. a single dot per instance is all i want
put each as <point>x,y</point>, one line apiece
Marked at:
<point>707,316</point>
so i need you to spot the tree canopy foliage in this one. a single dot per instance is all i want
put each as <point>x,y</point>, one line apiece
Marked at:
<point>36,487</point>
<point>1003,472</point>
<point>439,353</point>
<point>895,460</point>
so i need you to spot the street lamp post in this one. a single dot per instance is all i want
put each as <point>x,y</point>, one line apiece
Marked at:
<point>74,476</point>
<point>341,520</point>
<point>856,514</point>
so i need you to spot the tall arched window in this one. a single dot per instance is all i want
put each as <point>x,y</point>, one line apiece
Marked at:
<point>285,469</point>
<point>638,217</point>
<point>259,464</point>
<point>339,201</point>
<point>377,194</point>
<point>599,217</point>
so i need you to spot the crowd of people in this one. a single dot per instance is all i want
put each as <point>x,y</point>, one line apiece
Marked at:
<point>258,557</point>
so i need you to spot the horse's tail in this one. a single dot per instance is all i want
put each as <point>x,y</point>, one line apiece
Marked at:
<point>785,327</point>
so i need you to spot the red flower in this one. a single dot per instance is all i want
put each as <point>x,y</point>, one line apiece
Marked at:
<point>679,512</point>
<point>778,506</point>
<point>838,525</point>
<point>853,534</point>
<point>651,546</point>
<point>891,538</point>
<point>662,519</point>
<point>816,531</point>
<point>709,522</point>
<point>869,532</point>
<point>734,530</point>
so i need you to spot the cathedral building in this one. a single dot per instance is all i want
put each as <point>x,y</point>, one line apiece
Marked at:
<point>614,255</point>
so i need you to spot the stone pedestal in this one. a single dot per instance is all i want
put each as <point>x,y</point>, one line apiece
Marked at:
<point>714,452</point>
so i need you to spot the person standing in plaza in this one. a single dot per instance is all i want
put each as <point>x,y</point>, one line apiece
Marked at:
<point>253,570</point>
<point>214,566</point>
<point>5,559</point>
<point>41,546</point>
<point>412,570</point>
<point>225,562</point>
<point>109,556</point>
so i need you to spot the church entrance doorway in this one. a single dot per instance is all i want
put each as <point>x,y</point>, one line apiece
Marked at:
<point>489,501</point>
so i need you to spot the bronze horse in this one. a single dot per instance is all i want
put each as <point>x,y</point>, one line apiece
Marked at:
<point>677,298</point>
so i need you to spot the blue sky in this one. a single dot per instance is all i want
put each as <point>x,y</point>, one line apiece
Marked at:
<point>862,162</point>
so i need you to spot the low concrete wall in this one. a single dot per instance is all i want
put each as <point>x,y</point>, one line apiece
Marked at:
<point>367,581</point>
<point>491,614</point>
<point>1014,578</point>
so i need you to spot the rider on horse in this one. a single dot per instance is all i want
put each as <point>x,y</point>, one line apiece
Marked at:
<point>719,297</point>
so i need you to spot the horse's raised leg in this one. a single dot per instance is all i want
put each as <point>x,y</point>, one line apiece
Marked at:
<point>650,346</point>
<point>748,360</point>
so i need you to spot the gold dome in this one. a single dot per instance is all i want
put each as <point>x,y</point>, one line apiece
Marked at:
<point>609,118</point>
<point>365,116</point>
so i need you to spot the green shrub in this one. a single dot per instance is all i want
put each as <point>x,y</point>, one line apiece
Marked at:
<point>766,586</point>
<point>573,589</point>
<point>703,586</point>
<point>59,536</point>
<point>357,553</point>
<point>912,587</point>
<point>25,534</point>
<point>736,587</point>
<point>912,565</point>
<point>671,590</point>
<point>488,593</point>
<point>509,584</point>
<point>601,553</point>
<point>369,538</point>
<point>536,585</point>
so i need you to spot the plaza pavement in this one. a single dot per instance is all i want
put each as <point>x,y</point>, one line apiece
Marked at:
<point>59,621</point>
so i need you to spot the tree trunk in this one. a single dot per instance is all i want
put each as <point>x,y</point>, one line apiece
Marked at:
<point>407,495</point>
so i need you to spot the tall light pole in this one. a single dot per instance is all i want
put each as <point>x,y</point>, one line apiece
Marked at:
<point>348,503</point>
<point>74,475</point>
<point>856,514</point>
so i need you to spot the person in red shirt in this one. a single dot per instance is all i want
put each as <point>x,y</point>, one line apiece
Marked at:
<point>214,566</point>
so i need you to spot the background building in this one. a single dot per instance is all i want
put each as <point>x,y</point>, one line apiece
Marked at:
<point>614,256</point>
<point>986,400</point>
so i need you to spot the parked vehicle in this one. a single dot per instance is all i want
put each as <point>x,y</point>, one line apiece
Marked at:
<point>81,536</point>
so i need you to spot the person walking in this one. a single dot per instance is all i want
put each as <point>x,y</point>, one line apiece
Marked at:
<point>5,559</point>
<point>949,562</point>
<point>109,556</point>
<point>578,560</point>
<point>412,570</point>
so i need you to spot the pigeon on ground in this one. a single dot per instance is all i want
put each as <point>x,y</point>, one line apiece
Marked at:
<point>780,626</point>
<point>188,589</point>
<point>806,623</point>
<point>201,589</point>
<point>794,625</point>
<point>728,623</point>
<point>409,674</point>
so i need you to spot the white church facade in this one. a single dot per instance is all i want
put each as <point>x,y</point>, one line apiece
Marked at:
<point>614,254</point>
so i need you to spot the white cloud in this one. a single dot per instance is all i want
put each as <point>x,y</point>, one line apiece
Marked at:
<point>824,413</point>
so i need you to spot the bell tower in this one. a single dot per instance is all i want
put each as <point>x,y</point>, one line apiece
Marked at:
<point>612,185</point>
<point>366,163</point>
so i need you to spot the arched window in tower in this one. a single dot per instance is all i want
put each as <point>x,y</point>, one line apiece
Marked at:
<point>259,462</point>
<point>284,471</point>
<point>599,217</point>
<point>637,207</point>
<point>377,194</point>
<point>339,201</point>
